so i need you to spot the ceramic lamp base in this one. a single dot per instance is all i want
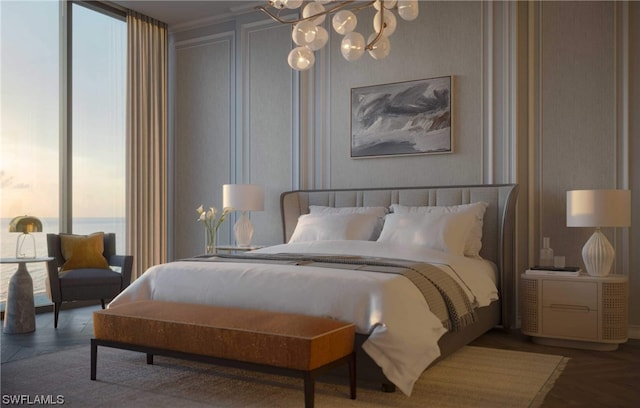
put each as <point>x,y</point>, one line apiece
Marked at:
<point>598,254</point>
<point>243,230</point>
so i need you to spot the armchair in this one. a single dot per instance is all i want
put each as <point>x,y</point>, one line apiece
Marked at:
<point>85,283</point>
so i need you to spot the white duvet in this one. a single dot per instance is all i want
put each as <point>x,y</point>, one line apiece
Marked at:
<point>403,333</point>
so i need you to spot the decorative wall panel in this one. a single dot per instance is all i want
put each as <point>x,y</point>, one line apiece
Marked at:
<point>202,129</point>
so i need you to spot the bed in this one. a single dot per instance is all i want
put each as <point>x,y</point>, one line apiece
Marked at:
<point>342,261</point>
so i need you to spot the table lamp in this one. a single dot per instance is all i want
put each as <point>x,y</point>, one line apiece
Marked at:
<point>244,198</point>
<point>598,208</point>
<point>26,225</point>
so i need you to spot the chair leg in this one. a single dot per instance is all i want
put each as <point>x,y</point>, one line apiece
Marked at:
<point>102,302</point>
<point>56,312</point>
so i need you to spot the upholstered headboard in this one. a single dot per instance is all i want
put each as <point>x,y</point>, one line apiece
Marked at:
<point>498,227</point>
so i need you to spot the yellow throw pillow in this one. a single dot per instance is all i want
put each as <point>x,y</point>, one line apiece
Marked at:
<point>83,251</point>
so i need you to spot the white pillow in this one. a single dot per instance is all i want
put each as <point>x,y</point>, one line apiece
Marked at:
<point>379,212</point>
<point>474,241</point>
<point>444,232</point>
<point>314,227</point>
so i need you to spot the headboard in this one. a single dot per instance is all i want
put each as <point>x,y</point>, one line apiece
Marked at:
<point>498,228</point>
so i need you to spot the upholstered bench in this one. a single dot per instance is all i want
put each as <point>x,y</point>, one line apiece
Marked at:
<point>280,343</point>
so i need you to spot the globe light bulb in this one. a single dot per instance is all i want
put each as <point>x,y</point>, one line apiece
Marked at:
<point>408,9</point>
<point>292,4</point>
<point>381,48</point>
<point>304,33</point>
<point>344,22</point>
<point>352,46</point>
<point>312,9</point>
<point>321,38</point>
<point>301,58</point>
<point>389,4</point>
<point>390,21</point>
<point>278,4</point>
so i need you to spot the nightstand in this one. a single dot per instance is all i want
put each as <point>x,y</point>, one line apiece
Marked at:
<point>234,249</point>
<point>586,312</point>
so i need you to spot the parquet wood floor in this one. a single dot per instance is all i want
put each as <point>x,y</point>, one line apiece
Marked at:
<point>590,379</point>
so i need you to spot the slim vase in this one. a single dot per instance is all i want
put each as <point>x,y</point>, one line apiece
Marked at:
<point>209,242</point>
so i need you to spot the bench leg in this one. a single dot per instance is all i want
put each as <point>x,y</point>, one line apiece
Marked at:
<point>94,359</point>
<point>309,390</point>
<point>352,375</point>
<point>149,358</point>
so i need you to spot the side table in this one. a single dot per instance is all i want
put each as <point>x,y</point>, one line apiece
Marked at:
<point>233,248</point>
<point>20,311</point>
<point>587,312</point>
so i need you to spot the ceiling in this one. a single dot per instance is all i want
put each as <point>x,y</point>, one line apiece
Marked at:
<point>183,13</point>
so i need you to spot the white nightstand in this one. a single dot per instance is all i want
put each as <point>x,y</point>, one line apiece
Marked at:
<point>583,311</point>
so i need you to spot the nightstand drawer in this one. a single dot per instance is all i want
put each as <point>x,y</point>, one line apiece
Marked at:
<point>570,322</point>
<point>559,293</point>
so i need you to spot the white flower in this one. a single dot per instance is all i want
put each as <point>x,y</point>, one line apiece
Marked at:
<point>211,224</point>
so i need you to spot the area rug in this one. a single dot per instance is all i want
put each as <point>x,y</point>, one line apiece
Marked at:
<point>471,377</point>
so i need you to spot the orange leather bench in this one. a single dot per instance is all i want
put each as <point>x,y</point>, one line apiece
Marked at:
<point>281,343</point>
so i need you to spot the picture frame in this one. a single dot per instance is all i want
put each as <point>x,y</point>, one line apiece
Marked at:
<point>402,118</point>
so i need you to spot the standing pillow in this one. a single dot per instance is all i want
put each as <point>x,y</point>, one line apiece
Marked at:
<point>83,251</point>
<point>474,241</point>
<point>312,227</point>
<point>379,212</point>
<point>443,232</point>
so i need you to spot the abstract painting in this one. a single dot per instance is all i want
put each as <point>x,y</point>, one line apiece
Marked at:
<point>401,118</point>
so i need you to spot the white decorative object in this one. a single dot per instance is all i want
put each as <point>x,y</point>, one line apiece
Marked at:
<point>310,36</point>
<point>546,253</point>
<point>244,198</point>
<point>598,208</point>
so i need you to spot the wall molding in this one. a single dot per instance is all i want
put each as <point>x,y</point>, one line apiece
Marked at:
<point>487,98</point>
<point>322,139</point>
<point>534,136</point>
<point>242,170</point>
<point>499,92</point>
<point>223,37</point>
<point>622,85</point>
<point>227,38</point>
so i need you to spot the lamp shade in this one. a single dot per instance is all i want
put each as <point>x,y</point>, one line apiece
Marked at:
<point>598,208</point>
<point>243,197</point>
<point>25,224</point>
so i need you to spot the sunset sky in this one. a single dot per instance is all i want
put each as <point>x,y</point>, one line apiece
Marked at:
<point>29,111</point>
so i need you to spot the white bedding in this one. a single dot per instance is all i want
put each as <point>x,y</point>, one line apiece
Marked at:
<point>403,333</point>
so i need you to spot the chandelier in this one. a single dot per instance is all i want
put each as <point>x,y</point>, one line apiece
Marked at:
<point>309,35</point>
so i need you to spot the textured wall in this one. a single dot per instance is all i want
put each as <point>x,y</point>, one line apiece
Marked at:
<point>445,40</point>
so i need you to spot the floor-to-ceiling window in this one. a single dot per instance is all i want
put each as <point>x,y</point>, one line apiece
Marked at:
<point>32,144</point>
<point>98,123</point>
